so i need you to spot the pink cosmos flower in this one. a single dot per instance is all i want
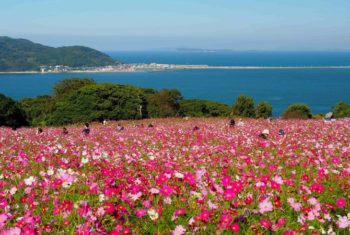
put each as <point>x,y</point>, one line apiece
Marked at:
<point>83,229</point>
<point>226,181</point>
<point>189,178</point>
<point>3,203</point>
<point>140,213</point>
<point>161,179</point>
<point>265,206</point>
<point>126,230</point>
<point>166,191</point>
<point>265,223</point>
<point>179,230</point>
<point>281,221</point>
<point>318,188</point>
<point>28,230</point>
<point>179,212</point>
<point>114,232</point>
<point>109,207</point>
<point>3,218</point>
<point>235,228</point>
<point>295,205</point>
<point>343,222</point>
<point>204,215</point>
<point>13,231</point>
<point>225,220</point>
<point>229,194</point>
<point>341,202</point>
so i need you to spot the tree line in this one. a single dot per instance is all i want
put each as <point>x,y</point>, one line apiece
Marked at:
<point>78,100</point>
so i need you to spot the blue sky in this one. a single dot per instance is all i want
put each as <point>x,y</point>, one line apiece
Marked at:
<point>165,24</point>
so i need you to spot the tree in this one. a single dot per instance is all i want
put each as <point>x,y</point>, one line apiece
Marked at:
<point>99,102</point>
<point>263,110</point>
<point>68,86</point>
<point>297,111</point>
<point>203,108</point>
<point>38,110</point>
<point>10,113</point>
<point>244,107</point>
<point>165,103</point>
<point>341,110</point>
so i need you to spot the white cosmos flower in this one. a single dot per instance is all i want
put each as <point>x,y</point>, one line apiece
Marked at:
<point>153,214</point>
<point>151,156</point>
<point>50,172</point>
<point>84,160</point>
<point>66,184</point>
<point>154,191</point>
<point>13,190</point>
<point>167,200</point>
<point>179,175</point>
<point>136,196</point>
<point>29,181</point>
<point>101,197</point>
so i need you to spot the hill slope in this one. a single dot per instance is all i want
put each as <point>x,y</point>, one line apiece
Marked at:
<point>23,55</point>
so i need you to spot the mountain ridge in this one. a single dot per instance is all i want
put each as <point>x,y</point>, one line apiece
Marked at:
<point>25,55</point>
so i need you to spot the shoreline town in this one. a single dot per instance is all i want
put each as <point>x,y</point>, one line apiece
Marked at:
<point>156,67</point>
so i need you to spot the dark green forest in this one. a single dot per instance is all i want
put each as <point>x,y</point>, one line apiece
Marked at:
<point>78,100</point>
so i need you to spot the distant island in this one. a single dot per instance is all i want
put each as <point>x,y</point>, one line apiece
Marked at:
<point>18,55</point>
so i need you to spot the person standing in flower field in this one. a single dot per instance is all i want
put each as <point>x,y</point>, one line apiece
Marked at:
<point>86,130</point>
<point>64,131</point>
<point>232,123</point>
<point>39,131</point>
<point>119,127</point>
<point>264,134</point>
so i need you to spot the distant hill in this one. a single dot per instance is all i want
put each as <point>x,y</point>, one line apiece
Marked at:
<point>24,55</point>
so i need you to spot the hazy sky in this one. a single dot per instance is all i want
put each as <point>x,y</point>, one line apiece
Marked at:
<point>163,24</point>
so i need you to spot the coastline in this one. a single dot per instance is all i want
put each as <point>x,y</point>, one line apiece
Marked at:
<point>170,67</point>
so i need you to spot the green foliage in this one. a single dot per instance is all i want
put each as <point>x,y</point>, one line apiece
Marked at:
<point>203,108</point>
<point>263,110</point>
<point>69,86</point>
<point>244,107</point>
<point>83,100</point>
<point>341,110</point>
<point>24,55</point>
<point>297,111</point>
<point>38,110</point>
<point>318,116</point>
<point>11,113</point>
<point>165,103</point>
<point>98,102</point>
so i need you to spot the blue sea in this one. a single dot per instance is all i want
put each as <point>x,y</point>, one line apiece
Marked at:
<point>319,88</point>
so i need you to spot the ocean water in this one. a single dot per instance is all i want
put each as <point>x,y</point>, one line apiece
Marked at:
<point>250,58</point>
<point>319,88</point>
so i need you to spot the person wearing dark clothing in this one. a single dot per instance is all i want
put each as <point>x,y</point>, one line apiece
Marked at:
<point>263,136</point>
<point>120,127</point>
<point>86,130</point>
<point>281,132</point>
<point>232,123</point>
<point>196,128</point>
<point>40,131</point>
<point>64,131</point>
<point>150,125</point>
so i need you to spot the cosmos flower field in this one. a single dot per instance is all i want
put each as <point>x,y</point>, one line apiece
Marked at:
<point>171,179</point>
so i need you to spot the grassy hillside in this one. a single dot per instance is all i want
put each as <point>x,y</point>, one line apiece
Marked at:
<point>22,55</point>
